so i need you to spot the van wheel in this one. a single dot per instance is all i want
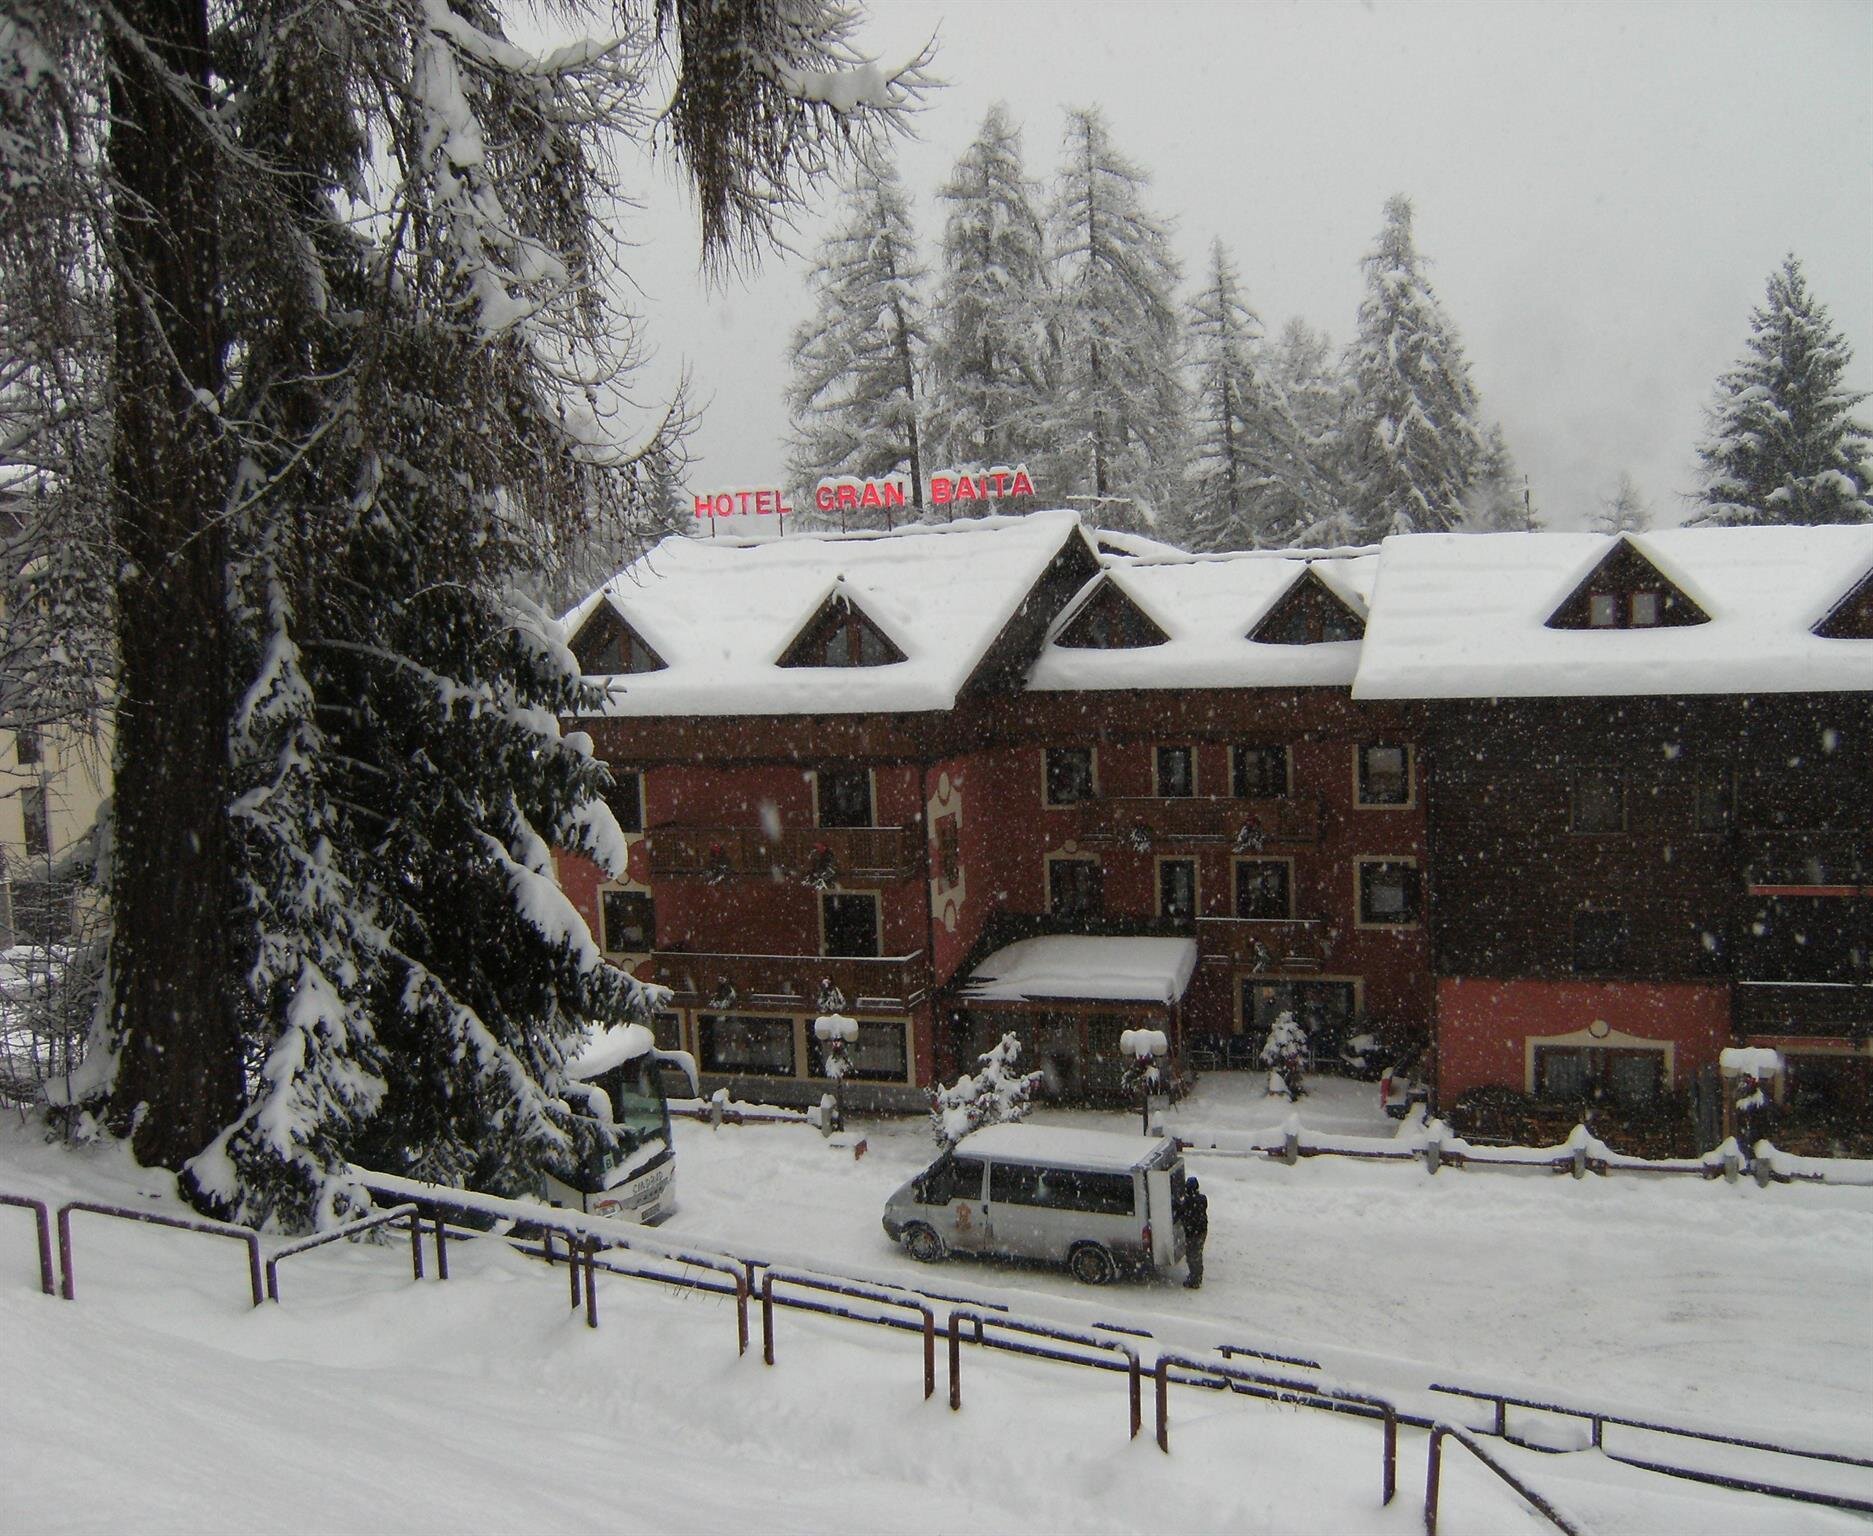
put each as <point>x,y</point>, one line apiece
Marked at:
<point>923,1245</point>
<point>1091,1265</point>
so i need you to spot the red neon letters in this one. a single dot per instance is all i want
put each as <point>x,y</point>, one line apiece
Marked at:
<point>767,503</point>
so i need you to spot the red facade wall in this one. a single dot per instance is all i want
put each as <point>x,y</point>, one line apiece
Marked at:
<point>1483,1025</point>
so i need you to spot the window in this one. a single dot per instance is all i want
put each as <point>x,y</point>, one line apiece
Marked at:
<point>607,648</point>
<point>1603,610</point>
<point>1260,773</point>
<point>1177,890</point>
<point>1715,797</point>
<point>1061,1189</point>
<point>38,822</point>
<point>955,1178</point>
<point>666,1029</point>
<point>1110,621</point>
<point>1070,775</point>
<point>626,798</point>
<point>850,922</point>
<point>844,797</point>
<point>1599,803</point>
<point>1384,774</point>
<point>744,1043</point>
<point>1177,772</point>
<point>877,1056</point>
<point>1308,613</point>
<point>1574,1073</point>
<point>1643,610</point>
<point>1325,1009</point>
<point>630,922</point>
<point>1388,892</point>
<point>1264,889</point>
<point>1075,888</point>
<point>1599,941</point>
<point>949,838</point>
<point>841,636</point>
<point>26,745</point>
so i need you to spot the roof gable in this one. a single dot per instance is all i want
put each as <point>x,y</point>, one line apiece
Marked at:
<point>841,634</point>
<point>1308,613</point>
<point>1109,619</point>
<point>1852,617</point>
<point>1625,589</point>
<point>607,646</point>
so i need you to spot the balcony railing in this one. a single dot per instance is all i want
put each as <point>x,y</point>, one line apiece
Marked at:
<point>723,982</point>
<point>1172,821</point>
<point>1302,943</point>
<point>857,855</point>
<point>1836,1010</point>
<point>1814,859</point>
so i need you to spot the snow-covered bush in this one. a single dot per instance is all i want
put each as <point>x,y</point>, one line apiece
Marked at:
<point>1284,1053</point>
<point>996,1093</point>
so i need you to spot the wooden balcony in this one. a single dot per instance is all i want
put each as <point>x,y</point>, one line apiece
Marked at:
<point>1841,1011</point>
<point>1173,822</point>
<point>887,984</point>
<point>1815,859</point>
<point>1298,944</point>
<point>859,856</point>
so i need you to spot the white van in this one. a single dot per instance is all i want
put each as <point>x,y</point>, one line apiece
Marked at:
<point>1097,1201</point>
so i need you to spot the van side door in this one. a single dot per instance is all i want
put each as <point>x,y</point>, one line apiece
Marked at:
<point>962,1222</point>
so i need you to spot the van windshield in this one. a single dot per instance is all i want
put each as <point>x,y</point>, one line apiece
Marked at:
<point>954,1178</point>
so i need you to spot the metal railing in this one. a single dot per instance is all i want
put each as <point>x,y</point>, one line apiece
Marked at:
<point>1598,1419</point>
<point>404,1213</point>
<point>244,1235</point>
<point>1306,1394</point>
<point>1045,1331</point>
<point>1434,1472</point>
<point>43,1218</point>
<point>873,1293</point>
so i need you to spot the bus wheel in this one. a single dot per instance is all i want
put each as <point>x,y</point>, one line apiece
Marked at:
<point>1091,1265</point>
<point>923,1245</point>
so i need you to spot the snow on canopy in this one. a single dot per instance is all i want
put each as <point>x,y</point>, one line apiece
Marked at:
<point>1464,616</point>
<point>1102,969</point>
<point>607,1047</point>
<point>722,612</point>
<point>1208,605</point>
<point>1057,1146</point>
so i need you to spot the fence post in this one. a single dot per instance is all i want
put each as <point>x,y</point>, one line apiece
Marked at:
<point>1433,1472</point>
<point>1291,1148</point>
<point>591,1281</point>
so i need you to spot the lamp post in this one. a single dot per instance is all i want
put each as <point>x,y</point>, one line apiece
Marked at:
<point>1145,1048</point>
<point>836,1034</point>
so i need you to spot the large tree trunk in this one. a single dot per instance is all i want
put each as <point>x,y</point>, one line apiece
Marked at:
<point>179,1074</point>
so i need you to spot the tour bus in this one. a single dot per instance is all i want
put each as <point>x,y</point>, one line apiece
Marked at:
<point>633,1178</point>
<point>1097,1201</point>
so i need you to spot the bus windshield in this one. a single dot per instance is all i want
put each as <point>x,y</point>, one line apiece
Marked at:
<point>640,1119</point>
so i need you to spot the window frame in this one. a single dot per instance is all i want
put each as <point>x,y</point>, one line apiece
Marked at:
<point>877,932</point>
<point>1237,865</point>
<point>1362,797</point>
<point>1157,771</point>
<point>781,1027</point>
<point>1047,777</point>
<point>1097,866</point>
<point>1240,754</point>
<point>820,775</point>
<point>1576,822</point>
<point>1414,891</point>
<point>1713,785</point>
<point>625,793</point>
<point>1597,1063</point>
<point>35,821</point>
<point>815,1053</point>
<point>606,894</point>
<point>1167,861</point>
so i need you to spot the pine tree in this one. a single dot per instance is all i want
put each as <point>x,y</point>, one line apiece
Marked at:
<point>1251,480</point>
<point>1625,511</point>
<point>997,1092</point>
<point>1303,366</point>
<point>1121,410</point>
<point>1499,499</point>
<point>1784,446</point>
<point>357,368</point>
<point>1411,439</point>
<point>859,361</point>
<point>991,370</point>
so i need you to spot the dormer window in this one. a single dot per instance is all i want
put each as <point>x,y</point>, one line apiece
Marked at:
<point>1308,613</point>
<point>608,647</point>
<point>1852,617</point>
<point>1626,591</point>
<point>1110,621</point>
<point>841,635</point>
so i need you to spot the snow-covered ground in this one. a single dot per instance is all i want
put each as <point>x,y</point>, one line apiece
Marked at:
<point>160,1401</point>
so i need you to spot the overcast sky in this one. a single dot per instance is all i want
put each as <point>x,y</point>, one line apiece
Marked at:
<point>1602,190</point>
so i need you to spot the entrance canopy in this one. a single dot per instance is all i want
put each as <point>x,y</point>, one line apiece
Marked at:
<point>1085,968</point>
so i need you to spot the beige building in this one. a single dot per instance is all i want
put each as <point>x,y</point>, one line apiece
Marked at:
<point>51,784</point>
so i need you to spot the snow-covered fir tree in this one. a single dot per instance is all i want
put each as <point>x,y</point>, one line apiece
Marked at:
<point>1411,440</point>
<point>997,1091</point>
<point>1499,499</point>
<point>362,373</point>
<point>1623,510</point>
<point>1784,445</point>
<point>991,361</point>
<point>1285,1054</point>
<point>1251,480</point>
<point>858,362</point>
<point>1120,422</point>
<point>1303,366</point>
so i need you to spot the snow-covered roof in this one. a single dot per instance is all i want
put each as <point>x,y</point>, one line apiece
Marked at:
<point>722,612</point>
<point>1100,968</point>
<point>1463,616</point>
<point>1056,1146</point>
<point>1208,605</point>
<point>608,1046</point>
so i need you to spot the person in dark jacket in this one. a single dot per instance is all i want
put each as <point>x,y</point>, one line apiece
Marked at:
<point>1193,1215</point>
